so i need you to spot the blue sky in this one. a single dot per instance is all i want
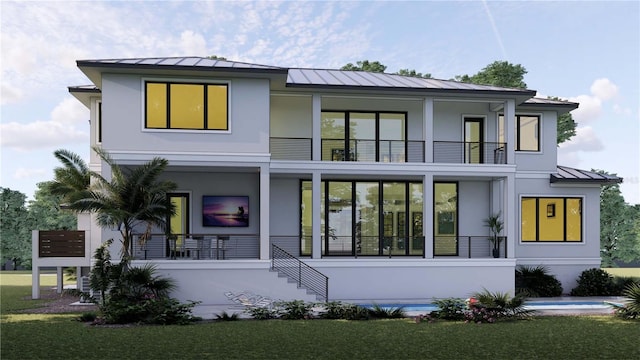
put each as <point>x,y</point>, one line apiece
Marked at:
<point>587,52</point>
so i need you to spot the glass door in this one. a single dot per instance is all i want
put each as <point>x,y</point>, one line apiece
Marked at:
<point>473,140</point>
<point>178,224</point>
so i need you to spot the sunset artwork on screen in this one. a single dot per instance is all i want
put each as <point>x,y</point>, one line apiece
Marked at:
<point>225,211</point>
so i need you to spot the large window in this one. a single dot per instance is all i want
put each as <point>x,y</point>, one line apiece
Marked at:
<point>186,106</point>
<point>527,129</point>
<point>363,136</point>
<point>551,219</point>
<point>374,218</point>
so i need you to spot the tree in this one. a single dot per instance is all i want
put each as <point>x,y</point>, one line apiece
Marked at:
<point>71,181</point>
<point>498,73</point>
<point>618,239</point>
<point>365,65</point>
<point>15,242</point>
<point>413,73</point>
<point>131,198</point>
<point>46,212</point>
<point>505,74</point>
<point>216,57</point>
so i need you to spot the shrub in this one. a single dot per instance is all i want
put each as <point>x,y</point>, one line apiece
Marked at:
<point>345,311</point>
<point>87,317</point>
<point>631,309</point>
<point>162,311</point>
<point>294,310</point>
<point>501,305</point>
<point>450,309</point>
<point>594,282</point>
<point>536,282</point>
<point>479,315</point>
<point>224,316</point>
<point>379,312</point>
<point>261,313</point>
<point>621,283</point>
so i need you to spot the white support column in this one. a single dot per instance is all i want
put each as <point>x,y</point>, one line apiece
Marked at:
<point>510,216</point>
<point>264,212</point>
<point>316,139</point>
<point>35,268</point>
<point>316,247</point>
<point>510,130</point>
<point>427,215</point>
<point>427,134</point>
<point>60,280</point>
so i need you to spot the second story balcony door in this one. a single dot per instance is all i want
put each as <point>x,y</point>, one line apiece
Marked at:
<point>473,140</point>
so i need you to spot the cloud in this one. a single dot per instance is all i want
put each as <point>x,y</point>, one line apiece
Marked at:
<point>604,89</point>
<point>10,94</point>
<point>193,43</point>
<point>24,173</point>
<point>584,140</point>
<point>61,129</point>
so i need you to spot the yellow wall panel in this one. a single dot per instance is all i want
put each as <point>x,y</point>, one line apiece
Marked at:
<point>217,107</point>
<point>574,219</point>
<point>551,228</point>
<point>156,106</point>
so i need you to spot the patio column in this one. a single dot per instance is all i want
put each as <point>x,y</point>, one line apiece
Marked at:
<point>427,132</point>
<point>510,216</point>
<point>316,247</point>
<point>316,136</point>
<point>264,212</point>
<point>510,130</point>
<point>35,268</point>
<point>427,217</point>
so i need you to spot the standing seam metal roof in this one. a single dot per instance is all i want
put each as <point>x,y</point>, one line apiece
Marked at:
<point>567,174</point>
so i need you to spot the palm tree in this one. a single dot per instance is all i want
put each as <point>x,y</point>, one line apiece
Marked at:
<point>71,181</point>
<point>131,198</point>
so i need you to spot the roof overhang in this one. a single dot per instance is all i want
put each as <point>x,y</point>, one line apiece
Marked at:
<point>567,175</point>
<point>84,93</point>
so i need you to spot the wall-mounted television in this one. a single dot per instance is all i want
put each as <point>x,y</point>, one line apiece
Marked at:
<point>225,211</point>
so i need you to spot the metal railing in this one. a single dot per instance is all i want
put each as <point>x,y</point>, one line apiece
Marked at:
<point>461,152</point>
<point>304,275</point>
<point>394,151</point>
<point>472,247</point>
<point>196,247</point>
<point>282,148</point>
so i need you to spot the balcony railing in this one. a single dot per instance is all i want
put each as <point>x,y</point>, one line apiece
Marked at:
<point>290,148</point>
<point>461,152</point>
<point>196,247</point>
<point>397,151</point>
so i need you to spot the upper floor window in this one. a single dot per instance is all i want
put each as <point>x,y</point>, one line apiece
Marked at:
<point>527,132</point>
<point>364,136</point>
<point>187,106</point>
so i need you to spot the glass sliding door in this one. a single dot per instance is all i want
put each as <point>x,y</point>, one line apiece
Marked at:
<point>362,136</point>
<point>416,231</point>
<point>178,223</point>
<point>339,218</point>
<point>367,212</point>
<point>394,219</point>
<point>473,141</point>
<point>332,131</point>
<point>392,144</point>
<point>445,222</point>
<point>306,218</point>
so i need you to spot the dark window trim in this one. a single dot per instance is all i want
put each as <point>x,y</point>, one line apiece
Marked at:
<point>168,84</point>
<point>517,131</point>
<point>347,135</point>
<point>564,219</point>
<point>433,230</point>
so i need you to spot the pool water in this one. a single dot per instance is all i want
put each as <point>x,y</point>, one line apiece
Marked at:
<point>533,305</point>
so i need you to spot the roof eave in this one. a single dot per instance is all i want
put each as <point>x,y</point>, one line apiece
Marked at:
<point>84,94</point>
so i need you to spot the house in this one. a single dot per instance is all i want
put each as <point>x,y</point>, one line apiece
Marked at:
<point>379,184</point>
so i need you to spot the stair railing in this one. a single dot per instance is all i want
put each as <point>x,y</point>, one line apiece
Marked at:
<point>304,275</point>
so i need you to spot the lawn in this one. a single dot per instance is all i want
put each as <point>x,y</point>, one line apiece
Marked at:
<point>35,336</point>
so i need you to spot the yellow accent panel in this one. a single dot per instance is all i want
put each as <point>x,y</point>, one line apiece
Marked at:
<point>217,118</point>
<point>551,228</point>
<point>529,133</point>
<point>156,106</point>
<point>528,219</point>
<point>187,107</point>
<point>574,220</point>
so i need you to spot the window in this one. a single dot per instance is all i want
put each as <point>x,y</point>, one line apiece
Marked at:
<point>445,221</point>
<point>363,136</point>
<point>527,132</point>
<point>186,106</point>
<point>551,219</point>
<point>365,218</point>
<point>99,123</point>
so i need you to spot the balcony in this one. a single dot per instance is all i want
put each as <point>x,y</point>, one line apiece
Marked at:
<point>460,152</point>
<point>196,247</point>
<point>389,151</point>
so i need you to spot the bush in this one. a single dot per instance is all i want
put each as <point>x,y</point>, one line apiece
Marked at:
<point>162,311</point>
<point>450,309</point>
<point>536,282</point>
<point>631,309</point>
<point>379,312</point>
<point>261,313</point>
<point>345,311</point>
<point>87,317</point>
<point>224,316</point>
<point>500,305</point>
<point>294,310</point>
<point>621,283</point>
<point>594,282</point>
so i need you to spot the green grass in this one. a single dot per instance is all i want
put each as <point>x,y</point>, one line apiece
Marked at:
<point>627,272</point>
<point>34,336</point>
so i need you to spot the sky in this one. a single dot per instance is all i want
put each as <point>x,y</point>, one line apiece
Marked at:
<point>583,51</point>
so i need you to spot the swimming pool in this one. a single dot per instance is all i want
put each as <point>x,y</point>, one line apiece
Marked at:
<point>533,305</point>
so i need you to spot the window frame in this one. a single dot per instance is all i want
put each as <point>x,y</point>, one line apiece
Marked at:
<point>517,141</point>
<point>347,133</point>
<point>540,209</point>
<point>178,81</point>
